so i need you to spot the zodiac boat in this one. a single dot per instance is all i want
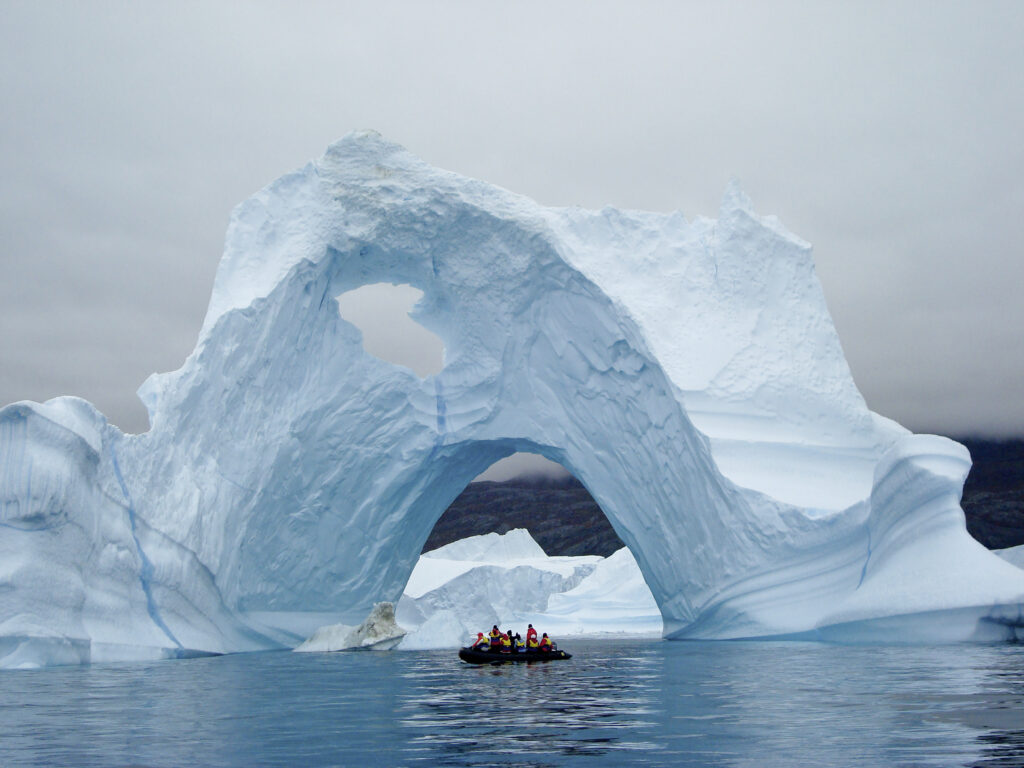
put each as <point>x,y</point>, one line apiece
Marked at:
<point>473,656</point>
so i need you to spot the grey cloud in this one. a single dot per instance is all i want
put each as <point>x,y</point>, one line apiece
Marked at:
<point>885,134</point>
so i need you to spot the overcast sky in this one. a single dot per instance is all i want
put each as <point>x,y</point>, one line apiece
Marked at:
<point>887,134</point>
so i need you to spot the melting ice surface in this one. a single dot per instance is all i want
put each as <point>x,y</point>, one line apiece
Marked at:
<point>686,372</point>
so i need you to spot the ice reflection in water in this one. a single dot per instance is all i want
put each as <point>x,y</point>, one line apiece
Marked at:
<point>616,703</point>
<point>531,709</point>
<point>730,704</point>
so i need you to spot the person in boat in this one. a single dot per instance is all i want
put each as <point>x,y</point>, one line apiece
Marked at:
<point>545,643</point>
<point>506,642</point>
<point>495,638</point>
<point>482,642</point>
<point>517,644</point>
<point>531,634</point>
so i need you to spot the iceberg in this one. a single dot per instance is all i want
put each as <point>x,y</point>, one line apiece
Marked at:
<point>687,372</point>
<point>481,581</point>
<point>515,545</point>
<point>508,580</point>
<point>613,599</point>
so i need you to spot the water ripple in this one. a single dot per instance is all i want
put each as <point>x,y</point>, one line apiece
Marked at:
<point>615,703</point>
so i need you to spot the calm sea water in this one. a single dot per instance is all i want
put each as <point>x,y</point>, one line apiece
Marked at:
<point>616,703</point>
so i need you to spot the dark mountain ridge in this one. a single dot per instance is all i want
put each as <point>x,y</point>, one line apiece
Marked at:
<point>993,499</point>
<point>558,512</point>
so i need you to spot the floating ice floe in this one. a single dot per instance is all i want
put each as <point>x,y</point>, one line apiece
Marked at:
<point>378,633</point>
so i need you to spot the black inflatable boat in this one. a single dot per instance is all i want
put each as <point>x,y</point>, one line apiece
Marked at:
<point>474,656</point>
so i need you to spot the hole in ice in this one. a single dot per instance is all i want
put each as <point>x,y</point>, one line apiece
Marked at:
<point>381,312</point>
<point>524,543</point>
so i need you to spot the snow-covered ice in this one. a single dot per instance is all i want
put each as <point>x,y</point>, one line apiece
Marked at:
<point>687,372</point>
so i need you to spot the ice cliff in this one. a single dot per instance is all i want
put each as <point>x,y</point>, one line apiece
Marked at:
<point>687,372</point>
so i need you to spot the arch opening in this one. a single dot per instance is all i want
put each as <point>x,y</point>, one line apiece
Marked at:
<point>528,491</point>
<point>524,542</point>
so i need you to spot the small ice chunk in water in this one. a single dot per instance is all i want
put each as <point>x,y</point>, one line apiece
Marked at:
<point>378,633</point>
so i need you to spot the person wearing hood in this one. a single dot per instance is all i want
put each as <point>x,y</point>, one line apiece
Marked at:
<point>531,636</point>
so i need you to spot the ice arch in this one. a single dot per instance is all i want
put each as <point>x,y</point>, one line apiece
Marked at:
<point>686,372</point>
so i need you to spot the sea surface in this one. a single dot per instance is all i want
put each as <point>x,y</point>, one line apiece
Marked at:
<point>615,703</point>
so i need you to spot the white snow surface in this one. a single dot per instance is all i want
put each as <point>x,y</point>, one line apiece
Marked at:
<point>686,371</point>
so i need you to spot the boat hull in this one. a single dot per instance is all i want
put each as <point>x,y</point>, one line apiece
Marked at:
<point>472,656</point>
